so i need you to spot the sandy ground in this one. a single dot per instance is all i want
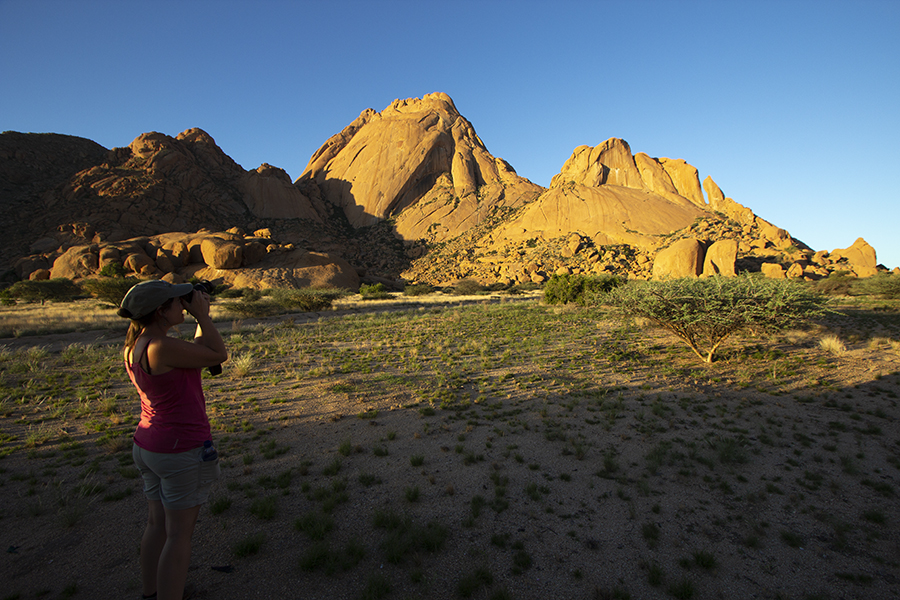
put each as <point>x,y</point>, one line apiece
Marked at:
<point>642,475</point>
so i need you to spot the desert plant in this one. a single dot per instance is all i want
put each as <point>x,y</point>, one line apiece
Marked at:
<point>832,344</point>
<point>58,289</point>
<point>112,269</point>
<point>838,283</point>
<point>706,312</point>
<point>579,289</point>
<point>249,545</point>
<point>375,291</point>
<point>419,289</point>
<point>884,285</point>
<point>467,287</point>
<point>241,365</point>
<point>110,289</point>
<point>306,299</point>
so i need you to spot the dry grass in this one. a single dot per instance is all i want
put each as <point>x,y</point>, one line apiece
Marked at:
<point>832,344</point>
<point>498,450</point>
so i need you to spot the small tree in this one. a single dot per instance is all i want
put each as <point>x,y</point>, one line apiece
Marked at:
<point>580,289</point>
<point>110,289</point>
<point>705,312</point>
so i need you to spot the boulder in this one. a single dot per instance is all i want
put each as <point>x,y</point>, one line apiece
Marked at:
<point>779,237</point>
<point>27,265</point>
<point>861,257</point>
<point>820,258</point>
<point>684,258</point>
<point>253,253</point>
<point>140,264</point>
<point>39,275</point>
<point>772,270</point>
<point>109,255</point>
<point>164,262</point>
<point>795,271</point>
<point>76,262</point>
<point>720,258</point>
<point>221,254</point>
<point>293,269</point>
<point>178,252</point>
<point>573,245</point>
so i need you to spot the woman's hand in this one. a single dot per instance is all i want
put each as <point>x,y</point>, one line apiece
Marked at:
<point>199,304</point>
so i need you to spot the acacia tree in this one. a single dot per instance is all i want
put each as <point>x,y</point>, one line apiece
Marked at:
<point>705,312</point>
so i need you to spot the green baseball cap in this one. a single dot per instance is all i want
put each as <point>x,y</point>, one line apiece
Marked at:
<point>147,296</point>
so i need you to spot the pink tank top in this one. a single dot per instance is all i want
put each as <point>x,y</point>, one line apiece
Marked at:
<point>173,409</point>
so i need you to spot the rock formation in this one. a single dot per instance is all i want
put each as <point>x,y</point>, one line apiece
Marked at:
<point>419,162</point>
<point>230,257</point>
<point>409,192</point>
<point>859,258</point>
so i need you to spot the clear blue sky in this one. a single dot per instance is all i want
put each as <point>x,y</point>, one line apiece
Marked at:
<point>792,107</point>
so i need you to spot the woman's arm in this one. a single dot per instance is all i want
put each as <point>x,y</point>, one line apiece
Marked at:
<point>207,349</point>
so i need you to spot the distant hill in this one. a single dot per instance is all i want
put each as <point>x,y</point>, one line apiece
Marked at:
<point>409,192</point>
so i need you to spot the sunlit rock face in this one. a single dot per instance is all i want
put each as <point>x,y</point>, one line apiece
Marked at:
<point>418,162</point>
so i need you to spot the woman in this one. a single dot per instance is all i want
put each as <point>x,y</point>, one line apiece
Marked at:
<point>169,441</point>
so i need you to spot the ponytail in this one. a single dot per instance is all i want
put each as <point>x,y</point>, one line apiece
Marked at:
<point>137,325</point>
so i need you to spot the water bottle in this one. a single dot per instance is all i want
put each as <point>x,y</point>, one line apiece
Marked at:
<point>209,451</point>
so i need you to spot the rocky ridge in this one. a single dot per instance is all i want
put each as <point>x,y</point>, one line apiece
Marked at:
<point>409,192</point>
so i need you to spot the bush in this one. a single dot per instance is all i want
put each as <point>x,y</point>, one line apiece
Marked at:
<point>705,312</point>
<point>110,289</point>
<point>467,287</point>
<point>579,289</point>
<point>883,284</point>
<point>376,291</point>
<point>267,303</point>
<point>58,289</point>
<point>419,289</point>
<point>306,299</point>
<point>838,283</point>
<point>112,270</point>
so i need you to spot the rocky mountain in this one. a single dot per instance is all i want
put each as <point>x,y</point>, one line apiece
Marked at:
<point>409,192</point>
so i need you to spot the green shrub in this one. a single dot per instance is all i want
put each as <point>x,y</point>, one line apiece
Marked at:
<point>267,303</point>
<point>883,284</point>
<point>419,289</point>
<point>306,299</point>
<point>58,289</point>
<point>579,289</point>
<point>376,291</point>
<point>838,283</point>
<point>112,270</point>
<point>467,287</point>
<point>705,312</point>
<point>110,289</point>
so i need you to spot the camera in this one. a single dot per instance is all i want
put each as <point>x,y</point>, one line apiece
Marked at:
<point>203,286</point>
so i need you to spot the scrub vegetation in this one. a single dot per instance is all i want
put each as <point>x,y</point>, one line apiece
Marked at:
<point>500,449</point>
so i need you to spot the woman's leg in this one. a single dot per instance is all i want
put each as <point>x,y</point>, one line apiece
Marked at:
<point>175,557</point>
<point>152,543</point>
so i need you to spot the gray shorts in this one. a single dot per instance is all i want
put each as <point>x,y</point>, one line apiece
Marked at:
<point>179,480</point>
